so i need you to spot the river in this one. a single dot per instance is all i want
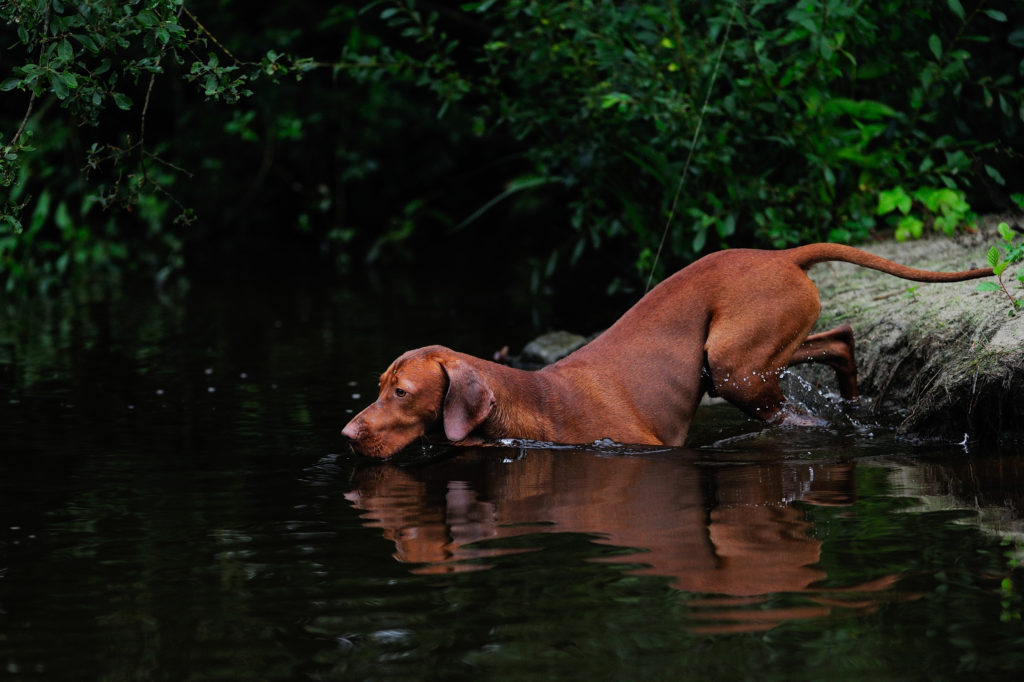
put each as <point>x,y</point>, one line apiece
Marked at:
<point>176,503</point>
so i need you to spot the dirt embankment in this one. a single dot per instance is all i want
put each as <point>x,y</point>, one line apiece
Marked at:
<point>938,359</point>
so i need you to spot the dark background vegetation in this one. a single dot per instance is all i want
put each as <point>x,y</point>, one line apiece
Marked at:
<point>543,139</point>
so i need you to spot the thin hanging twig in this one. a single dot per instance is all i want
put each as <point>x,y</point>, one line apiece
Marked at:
<point>693,144</point>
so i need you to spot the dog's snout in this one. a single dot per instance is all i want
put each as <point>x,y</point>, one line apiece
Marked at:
<point>351,431</point>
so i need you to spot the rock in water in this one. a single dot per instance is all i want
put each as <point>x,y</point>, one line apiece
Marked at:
<point>552,347</point>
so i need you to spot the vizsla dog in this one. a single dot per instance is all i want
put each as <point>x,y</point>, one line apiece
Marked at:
<point>728,325</point>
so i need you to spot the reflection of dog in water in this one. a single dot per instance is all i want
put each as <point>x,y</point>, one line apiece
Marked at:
<point>729,531</point>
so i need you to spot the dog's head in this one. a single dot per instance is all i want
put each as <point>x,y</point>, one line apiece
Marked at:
<point>420,389</point>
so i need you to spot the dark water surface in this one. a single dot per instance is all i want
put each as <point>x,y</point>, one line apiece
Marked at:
<point>176,504</point>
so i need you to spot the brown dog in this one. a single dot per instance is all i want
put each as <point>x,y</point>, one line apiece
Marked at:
<point>728,324</point>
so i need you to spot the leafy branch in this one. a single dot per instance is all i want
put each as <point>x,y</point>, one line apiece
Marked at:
<point>1000,261</point>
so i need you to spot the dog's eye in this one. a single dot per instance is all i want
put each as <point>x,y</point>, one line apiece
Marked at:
<point>401,393</point>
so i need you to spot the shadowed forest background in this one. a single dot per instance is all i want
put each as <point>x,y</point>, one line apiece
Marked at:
<point>169,138</point>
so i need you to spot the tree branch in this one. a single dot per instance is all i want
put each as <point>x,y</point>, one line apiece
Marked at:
<point>32,98</point>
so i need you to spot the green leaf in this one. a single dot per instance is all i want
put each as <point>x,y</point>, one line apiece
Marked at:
<point>995,175</point>
<point>62,218</point>
<point>577,251</point>
<point>909,227</point>
<point>987,286</point>
<point>615,98</point>
<point>995,15</point>
<point>147,18</point>
<point>999,268</point>
<point>1004,106</point>
<point>60,88</point>
<point>122,101</point>
<point>956,8</point>
<point>41,211</point>
<point>727,226</point>
<point>1005,232</point>
<point>87,42</point>
<point>865,108</point>
<point>892,199</point>
<point>942,199</point>
<point>946,224</point>
<point>992,256</point>
<point>830,177</point>
<point>935,45</point>
<point>700,238</point>
<point>515,185</point>
<point>65,51</point>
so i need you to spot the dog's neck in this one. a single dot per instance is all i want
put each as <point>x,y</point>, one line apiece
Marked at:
<point>523,405</point>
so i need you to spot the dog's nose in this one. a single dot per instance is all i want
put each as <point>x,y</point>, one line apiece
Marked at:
<point>351,431</point>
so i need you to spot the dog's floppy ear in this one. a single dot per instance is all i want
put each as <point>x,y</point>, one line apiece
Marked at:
<point>468,402</point>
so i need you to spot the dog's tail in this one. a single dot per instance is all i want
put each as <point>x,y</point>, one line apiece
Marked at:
<point>806,256</point>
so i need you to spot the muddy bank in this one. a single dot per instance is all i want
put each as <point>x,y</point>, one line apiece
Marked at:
<point>939,360</point>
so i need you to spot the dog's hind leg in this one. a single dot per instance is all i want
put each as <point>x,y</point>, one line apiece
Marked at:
<point>748,350</point>
<point>749,379</point>
<point>835,349</point>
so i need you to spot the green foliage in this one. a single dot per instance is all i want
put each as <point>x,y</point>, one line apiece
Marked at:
<point>644,133</point>
<point>810,121</point>
<point>85,58</point>
<point>946,208</point>
<point>1012,252</point>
